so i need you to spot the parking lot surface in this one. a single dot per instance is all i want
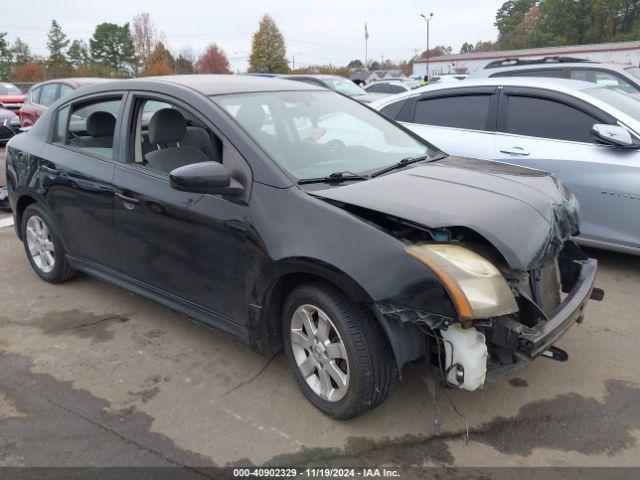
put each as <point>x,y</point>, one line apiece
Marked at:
<point>93,375</point>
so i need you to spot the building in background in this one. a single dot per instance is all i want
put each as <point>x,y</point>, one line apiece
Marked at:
<point>375,75</point>
<point>627,53</point>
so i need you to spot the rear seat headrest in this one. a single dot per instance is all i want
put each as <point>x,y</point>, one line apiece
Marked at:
<point>101,124</point>
<point>167,126</point>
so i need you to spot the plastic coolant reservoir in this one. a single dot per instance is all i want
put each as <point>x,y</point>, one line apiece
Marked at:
<point>467,348</point>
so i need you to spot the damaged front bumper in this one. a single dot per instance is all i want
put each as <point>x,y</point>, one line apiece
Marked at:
<point>570,311</point>
<point>500,345</point>
<point>536,341</point>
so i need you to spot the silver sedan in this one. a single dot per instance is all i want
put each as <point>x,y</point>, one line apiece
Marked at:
<point>587,135</point>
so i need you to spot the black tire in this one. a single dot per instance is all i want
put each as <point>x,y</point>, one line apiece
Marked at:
<point>61,271</point>
<point>371,367</point>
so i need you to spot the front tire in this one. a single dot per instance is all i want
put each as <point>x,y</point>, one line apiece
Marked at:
<point>336,350</point>
<point>43,246</point>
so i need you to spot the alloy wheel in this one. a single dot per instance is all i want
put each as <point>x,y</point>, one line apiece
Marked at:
<point>320,353</point>
<point>40,244</point>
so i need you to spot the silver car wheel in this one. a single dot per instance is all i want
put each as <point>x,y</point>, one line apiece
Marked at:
<point>320,353</point>
<point>40,244</point>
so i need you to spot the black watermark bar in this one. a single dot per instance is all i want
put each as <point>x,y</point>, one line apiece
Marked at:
<point>403,473</point>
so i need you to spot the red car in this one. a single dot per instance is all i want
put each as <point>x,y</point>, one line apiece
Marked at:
<point>11,97</point>
<point>41,95</point>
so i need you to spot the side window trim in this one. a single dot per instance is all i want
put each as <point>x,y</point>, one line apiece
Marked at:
<point>492,114</point>
<point>596,113</point>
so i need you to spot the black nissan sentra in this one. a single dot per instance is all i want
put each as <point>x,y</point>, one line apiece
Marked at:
<point>297,219</point>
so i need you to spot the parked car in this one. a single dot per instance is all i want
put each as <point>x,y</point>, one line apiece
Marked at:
<point>42,95</point>
<point>623,77</point>
<point>9,124</point>
<point>447,78</point>
<point>336,83</point>
<point>588,136</point>
<point>356,247</point>
<point>385,88</point>
<point>11,97</point>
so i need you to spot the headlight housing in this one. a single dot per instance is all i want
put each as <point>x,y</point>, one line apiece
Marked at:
<point>476,286</point>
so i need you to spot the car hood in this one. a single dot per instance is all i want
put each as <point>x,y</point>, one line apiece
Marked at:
<point>526,214</point>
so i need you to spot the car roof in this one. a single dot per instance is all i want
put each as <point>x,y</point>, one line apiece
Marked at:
<point>75,81</point>
<point>486,72</point>
<point>217,84</point>
<point>575,88</point>
<point>319,76</point>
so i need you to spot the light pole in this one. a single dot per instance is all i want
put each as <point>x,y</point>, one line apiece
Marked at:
<point>427,19</point>
<point>293,60</point>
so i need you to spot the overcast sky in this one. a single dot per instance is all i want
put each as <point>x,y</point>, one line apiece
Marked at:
<point>322,32</point>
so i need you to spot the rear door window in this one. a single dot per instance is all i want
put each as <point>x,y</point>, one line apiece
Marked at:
<point>470,112</point>
<point>91,126</point>
<point>35,95</point>
<point>65,90</point>
<point>545,118</point>
<point>49,94</point>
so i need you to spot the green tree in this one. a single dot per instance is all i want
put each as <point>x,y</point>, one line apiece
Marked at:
<point>484,46</point>
<point>78,54</point>
<point>355,64</point>
<point>112,48</point>
<point>467,48</point>
<point>185,63</point>
<point>6,57</point>
<point>268,52</point>
<point>21,52</point>
<point>161,54</point>
<point>511,14</point>
<point>57,43</point>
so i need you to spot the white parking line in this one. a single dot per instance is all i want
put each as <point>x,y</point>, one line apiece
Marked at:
<point>6,221</point>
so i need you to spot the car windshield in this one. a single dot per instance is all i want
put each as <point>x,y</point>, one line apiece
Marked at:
<point>9,89</point>
<point>626,103</point>
<point>314,134</point>
<point>346,87</point>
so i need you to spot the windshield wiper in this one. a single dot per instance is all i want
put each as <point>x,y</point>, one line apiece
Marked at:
<point>335,177</point>
<point>402,163</point>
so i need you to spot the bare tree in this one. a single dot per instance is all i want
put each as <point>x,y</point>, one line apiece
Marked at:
<point>145,37</point>
<point>186,60</point>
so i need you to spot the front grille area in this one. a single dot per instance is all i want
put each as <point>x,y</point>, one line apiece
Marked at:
<point>545,285</point>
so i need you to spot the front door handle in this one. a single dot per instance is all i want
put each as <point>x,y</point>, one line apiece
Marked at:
<point>125,199</point>
<point>515,151</point>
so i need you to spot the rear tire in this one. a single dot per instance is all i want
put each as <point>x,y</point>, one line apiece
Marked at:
<point>321,326</point>
<point>43,246</point>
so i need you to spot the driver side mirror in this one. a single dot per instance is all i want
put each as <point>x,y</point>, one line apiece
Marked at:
<point>205,177</point>
<point>614,135</point>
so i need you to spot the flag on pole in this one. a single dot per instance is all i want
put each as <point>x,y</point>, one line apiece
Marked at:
<point>366,32</point>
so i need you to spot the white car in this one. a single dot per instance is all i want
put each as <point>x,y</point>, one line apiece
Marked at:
<point>587,135</point>
<point>387,87</point>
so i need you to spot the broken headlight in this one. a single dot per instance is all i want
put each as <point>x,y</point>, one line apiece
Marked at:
<point>476,286</point>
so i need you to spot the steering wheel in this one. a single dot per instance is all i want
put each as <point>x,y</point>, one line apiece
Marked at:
<point>334,149</point>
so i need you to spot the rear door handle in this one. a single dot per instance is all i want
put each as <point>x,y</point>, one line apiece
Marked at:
<point>129,200</point>
<point>515,151</point>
